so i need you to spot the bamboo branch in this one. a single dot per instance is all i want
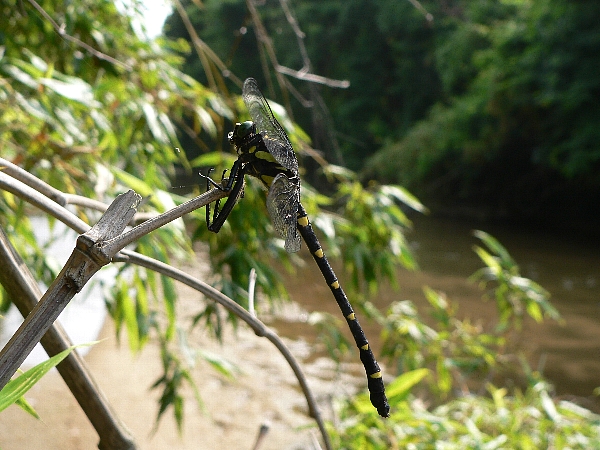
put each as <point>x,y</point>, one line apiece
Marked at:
<point>24,292</point>
<point>84,262</point>
<point>103,249</point>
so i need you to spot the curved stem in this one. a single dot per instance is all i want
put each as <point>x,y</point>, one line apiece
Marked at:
<point>259,328</point>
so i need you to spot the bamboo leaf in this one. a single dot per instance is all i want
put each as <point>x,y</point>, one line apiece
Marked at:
<point>16,388</point>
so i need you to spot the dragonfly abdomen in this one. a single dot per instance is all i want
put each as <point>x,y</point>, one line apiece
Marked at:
<point>374,378</point>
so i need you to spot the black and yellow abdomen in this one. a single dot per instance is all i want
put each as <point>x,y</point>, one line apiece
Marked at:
<point>374,378</point>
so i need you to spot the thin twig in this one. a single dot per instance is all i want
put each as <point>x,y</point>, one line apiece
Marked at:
<point>204,51</point>
<point>267,48</point>
<point>251,291</point>
<point>60,30</point>
<point>303,74</point>
<point>114,245</point>
<point>267,44</point>
<point>421,8</point>
<point>60,197</point>
<point>262,434</point>
<point>313,78</point>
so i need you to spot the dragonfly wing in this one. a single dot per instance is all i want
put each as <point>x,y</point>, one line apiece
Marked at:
<point>274,136</point>
<point>282,203</point>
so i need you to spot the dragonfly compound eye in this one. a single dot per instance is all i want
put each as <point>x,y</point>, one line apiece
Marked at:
<point>245,129</point>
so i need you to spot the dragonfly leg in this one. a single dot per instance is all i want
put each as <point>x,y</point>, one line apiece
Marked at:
<point>235,186</point>
<point>210,182</point>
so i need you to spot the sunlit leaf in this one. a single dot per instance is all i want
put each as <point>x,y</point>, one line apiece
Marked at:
<point>170,297</point>
<point>487,259</point>
<point>133,182</point>
<point>73,89</point>
<point>206,121</point>
<point>493,244</point>
<point>21,76</point>
<point>154,124</point>
<point>26,406</point>
<point>534,310</point>
<point>17,387</point>
<point>403,195</point>
<point>222,365</point>
<point>549,406</point>
<point>400,388</point>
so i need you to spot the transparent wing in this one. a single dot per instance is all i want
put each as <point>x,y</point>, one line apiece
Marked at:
<point>282,203</point>
<point>274,136</point>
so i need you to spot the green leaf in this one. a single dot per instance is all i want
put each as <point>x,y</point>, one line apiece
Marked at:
<point>399,389</point>
<point>403,195</point>
<point>16,388</point>
<point>74,89</point>
<point>206,121</point>
<point>220,364</point>
<point>21,76</point>
<point>26,406</point>
<point>549,406</point>
<point>534,310</point>
<point>128,309</point>
<point>170,297</point>
<point>488,259</point>
<point>133,182</point>
<point>493,244</point>
<point>153,123</point>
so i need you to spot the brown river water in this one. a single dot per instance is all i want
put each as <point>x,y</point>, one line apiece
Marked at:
<point>566,265</point>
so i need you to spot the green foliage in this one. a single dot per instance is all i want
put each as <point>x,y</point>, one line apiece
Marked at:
<point>518,79</point>
<point>514,295</point>
<point>374,250</point>
<point>93,114</point>
<point>455,350</point>
<point>528,420</point>
<point>432,401</point>
<point>15,389</point>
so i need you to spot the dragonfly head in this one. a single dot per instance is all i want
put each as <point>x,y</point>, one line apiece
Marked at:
<point>241,132</point>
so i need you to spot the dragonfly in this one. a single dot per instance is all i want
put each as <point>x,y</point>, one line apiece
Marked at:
<point>265,152</point>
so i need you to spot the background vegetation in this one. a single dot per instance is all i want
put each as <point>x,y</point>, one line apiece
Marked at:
<point>482,103</point>
<point>487,104</point>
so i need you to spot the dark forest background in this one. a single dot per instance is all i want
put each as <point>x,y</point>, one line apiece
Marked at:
<point>487,109</point>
